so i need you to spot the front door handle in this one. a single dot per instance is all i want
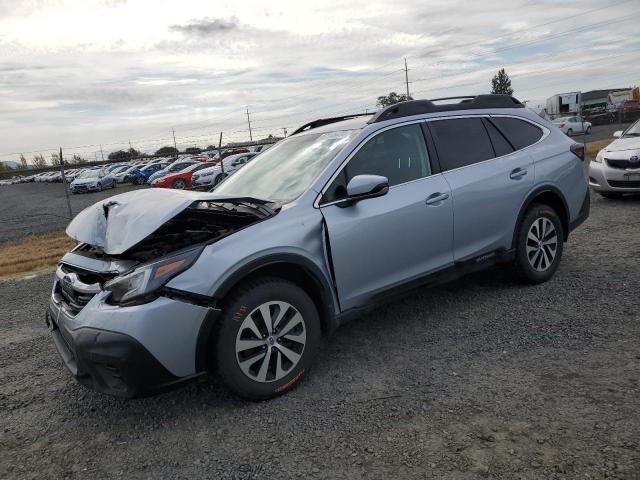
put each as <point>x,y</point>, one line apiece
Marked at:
<point>517,174</point>
<point>436,198</point>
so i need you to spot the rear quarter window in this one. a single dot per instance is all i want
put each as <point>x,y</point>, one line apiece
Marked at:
<point>520,134</point>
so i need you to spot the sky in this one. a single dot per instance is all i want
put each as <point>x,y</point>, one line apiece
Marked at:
<point>83,73</point>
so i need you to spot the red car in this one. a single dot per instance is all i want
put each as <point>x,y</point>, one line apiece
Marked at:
<point>180,179</point>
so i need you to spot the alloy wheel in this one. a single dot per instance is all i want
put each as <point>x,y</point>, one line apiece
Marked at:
<point>542,244</point>
<point>270,341</point>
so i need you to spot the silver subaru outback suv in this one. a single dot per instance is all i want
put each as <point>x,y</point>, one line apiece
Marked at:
<point>165,286</point>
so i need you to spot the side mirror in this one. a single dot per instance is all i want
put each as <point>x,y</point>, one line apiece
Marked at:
<point>361,187</point>
<point>617,134</point>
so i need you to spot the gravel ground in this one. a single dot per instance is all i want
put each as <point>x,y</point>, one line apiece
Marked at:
<point>41,207</point>
<point>481,378</point>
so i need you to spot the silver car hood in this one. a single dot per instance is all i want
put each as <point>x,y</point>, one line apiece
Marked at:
<point>120,222</point>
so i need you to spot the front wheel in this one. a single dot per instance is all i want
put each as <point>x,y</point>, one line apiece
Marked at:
<point>539,244</point>
<point>267,338</point>
<point>178,184</point>
<point>588,130</point>
<point>99,187</point>
<point>569,132</point>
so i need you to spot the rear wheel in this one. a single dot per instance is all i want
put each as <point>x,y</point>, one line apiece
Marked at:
<point>178,183</point>
<point>539,244</point>
<point>569,132</point>
<point>267,338</point>
<point>588,130</point>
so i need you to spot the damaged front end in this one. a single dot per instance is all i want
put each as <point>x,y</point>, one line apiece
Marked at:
<point>136,242</point>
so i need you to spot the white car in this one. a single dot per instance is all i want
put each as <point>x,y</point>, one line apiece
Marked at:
<point>616,168</point>
<point>571,125</point>
<point>213,175</point>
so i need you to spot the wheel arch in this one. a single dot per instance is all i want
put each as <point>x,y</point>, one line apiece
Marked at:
<point>548,195</point>
<point>292,267</point>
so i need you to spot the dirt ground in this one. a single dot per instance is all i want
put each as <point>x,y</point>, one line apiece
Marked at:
<point>482,378</point>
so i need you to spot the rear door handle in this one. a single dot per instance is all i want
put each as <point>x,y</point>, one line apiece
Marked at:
<point>517,174</point>
<point>436,198</point>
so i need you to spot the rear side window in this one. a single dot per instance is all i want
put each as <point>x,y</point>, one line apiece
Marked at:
<point>461,142</point>
<point>520,134</point>
<point>500,144</point>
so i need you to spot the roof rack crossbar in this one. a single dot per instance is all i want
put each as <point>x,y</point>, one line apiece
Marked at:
<point>419,107</point>
<point>326,121</point>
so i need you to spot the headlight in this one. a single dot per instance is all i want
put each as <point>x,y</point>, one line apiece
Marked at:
<point>600,156</point>
<point>148,278</point>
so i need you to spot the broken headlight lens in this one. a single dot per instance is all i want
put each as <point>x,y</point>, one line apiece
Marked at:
<point>149,277</point>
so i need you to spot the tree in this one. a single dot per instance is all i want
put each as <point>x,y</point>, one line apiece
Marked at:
<point>193,150</point>
<point>122,156</point>
<point>39,161</point>
<point>165,151</point>
<point>78,159</point>
<point>55,159</point>
<point>501,83</point>
<point>23,162</point>
<point>392,99</point>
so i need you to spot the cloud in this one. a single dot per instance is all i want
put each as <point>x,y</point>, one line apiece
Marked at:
<point>207,26</point>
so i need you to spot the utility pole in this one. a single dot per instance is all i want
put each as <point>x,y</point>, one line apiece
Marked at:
<point>64,185</point>
<point>174,140</point>
<point>406,77</point>
<point>220,154</point>
<point>101,153</point>
<point>249,122</point>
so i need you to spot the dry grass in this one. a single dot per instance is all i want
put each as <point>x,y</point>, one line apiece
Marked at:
<point>34,253</point>
<point>593,148</point>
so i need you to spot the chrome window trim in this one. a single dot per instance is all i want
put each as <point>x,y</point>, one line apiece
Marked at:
<point>545,133</point>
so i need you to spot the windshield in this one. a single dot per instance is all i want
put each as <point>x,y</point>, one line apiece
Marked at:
<point>633,130</point>
<point>286,170</point>
<point>90,174</point>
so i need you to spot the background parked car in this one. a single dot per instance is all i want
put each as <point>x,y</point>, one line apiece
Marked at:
<point>180,179</point>
<point>93,180</point>
<point>173,168</point>
<point>141,175</point>
<point>571,125</point>
<point>213,175</point>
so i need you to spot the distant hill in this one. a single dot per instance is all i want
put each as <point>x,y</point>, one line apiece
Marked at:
<point>10,164</point>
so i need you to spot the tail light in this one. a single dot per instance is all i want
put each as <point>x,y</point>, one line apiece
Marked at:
<point>561,125</point>
<point>578,150</point>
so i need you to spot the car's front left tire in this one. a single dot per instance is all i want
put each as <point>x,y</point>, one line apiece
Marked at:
<point>539,244</point>
<point>266,338</point>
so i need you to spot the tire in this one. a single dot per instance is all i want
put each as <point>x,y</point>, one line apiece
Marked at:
<point>113,184</point>
<point>534,263</point>
<point>219,178</point>
<point>588,130</point>
<point>178,184</point>
<point>570,132</point>
<point>99,187</point>
<point>240,312</point>
<point>610,195</point>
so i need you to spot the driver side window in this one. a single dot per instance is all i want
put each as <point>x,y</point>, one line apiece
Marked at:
<point>399,154</point>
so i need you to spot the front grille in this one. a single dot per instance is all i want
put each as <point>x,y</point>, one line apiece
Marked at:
<point>622,164</point>
<point>624,183</point>
<point>76,287</point>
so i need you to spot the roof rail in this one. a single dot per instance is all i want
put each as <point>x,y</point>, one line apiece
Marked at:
<point>326,121</point>
<point>418,107</point>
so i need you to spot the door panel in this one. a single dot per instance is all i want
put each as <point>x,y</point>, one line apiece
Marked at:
<point>383,242</point>
<point>486,199</point>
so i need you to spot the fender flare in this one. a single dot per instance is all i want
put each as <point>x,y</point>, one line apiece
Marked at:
<point>529,200</point>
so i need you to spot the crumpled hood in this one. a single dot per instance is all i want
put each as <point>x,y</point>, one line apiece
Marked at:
<point>631,143</point>
<point>120,222</point>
